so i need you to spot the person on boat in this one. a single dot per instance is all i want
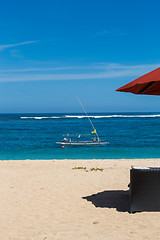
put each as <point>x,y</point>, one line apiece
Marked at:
<point>94,139</point>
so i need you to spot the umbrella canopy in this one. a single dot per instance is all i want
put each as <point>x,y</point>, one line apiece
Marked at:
<point>148,84</point>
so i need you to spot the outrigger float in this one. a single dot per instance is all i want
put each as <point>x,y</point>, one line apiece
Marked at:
<point>95,140</point>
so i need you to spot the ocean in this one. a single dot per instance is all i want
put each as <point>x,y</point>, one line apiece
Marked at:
<point>33,136</point>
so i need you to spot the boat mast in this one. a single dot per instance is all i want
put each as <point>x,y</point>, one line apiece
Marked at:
<point>88,118</point>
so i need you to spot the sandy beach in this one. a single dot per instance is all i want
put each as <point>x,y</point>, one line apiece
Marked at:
<point>53,200</point>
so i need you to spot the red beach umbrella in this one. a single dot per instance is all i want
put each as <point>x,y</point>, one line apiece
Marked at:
<point>148,84</point>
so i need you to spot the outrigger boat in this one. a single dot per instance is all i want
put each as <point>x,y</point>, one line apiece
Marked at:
<point>93,142</point>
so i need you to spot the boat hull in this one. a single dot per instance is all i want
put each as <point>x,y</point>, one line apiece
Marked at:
<point>82,143</point>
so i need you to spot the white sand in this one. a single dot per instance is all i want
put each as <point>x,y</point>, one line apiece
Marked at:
<point>48,200</point>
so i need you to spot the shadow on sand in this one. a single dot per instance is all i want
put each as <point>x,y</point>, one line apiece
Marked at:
<point>118,199</point>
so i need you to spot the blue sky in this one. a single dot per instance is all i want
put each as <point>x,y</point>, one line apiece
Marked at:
<point>51,51</point>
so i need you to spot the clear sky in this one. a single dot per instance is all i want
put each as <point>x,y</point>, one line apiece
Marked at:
<point>52,50</point>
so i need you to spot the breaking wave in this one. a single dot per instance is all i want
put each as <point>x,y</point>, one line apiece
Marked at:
<point>92,116</point>
<point>38,118</point>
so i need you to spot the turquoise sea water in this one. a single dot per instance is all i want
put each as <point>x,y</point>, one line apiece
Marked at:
<point>33,136</point>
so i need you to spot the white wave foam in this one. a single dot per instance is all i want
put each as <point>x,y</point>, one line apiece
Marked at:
<point>113,116</point>
<point>38,118</point>
<point>84,116</point>
<point>135,116</point>
<point>93,116</point>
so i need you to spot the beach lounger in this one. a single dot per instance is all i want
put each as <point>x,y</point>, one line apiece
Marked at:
<point>144,189</point>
